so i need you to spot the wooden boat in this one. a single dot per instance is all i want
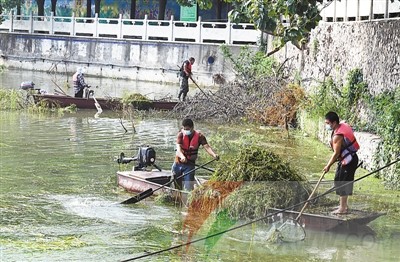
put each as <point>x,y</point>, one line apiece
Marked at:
<point>138,181</point>
<point>83,103</point>
<point>53,100</point>
<point>163,105</point>
<point>327,221</point>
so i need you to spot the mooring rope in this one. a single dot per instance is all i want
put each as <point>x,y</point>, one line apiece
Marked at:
<point>259,219</point>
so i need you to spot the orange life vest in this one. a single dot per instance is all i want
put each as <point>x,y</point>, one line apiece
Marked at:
<point>188,67</point>
<point>190,146</point>
<point>350,146</point>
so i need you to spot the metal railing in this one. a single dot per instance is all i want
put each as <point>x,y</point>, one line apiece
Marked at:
<point>138,29</point>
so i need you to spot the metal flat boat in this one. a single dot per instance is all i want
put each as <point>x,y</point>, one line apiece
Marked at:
<point>327,221</point>
<point>88,101</point>
<point>141,178</point>
<point>138,181</point>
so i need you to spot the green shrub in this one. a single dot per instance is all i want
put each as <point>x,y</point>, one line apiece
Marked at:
<point>11,99</point>
<point>378,114</point>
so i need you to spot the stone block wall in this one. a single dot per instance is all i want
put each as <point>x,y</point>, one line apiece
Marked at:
<point>370,145</point>
<point>371,46</point>
<point>336,48</point>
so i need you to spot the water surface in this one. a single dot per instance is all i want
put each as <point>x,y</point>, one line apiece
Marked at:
<point>59,198</point>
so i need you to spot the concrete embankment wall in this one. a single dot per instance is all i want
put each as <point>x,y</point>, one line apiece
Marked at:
<point>126,59</point>
<point>336,48</point>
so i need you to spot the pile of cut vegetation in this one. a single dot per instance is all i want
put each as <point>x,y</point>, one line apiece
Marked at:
<point>249,183</point>
<point>136,100</point>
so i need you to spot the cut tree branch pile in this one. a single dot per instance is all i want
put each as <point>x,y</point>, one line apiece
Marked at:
<point>268,100</point>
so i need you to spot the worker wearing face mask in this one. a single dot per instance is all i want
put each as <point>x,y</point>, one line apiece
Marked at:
<point>187,145</point>
<point>345,147</point>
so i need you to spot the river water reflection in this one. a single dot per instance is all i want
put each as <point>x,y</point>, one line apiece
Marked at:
<point>59,199</point>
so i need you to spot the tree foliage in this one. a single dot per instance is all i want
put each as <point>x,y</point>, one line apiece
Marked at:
<point>290,20</point>
<point>9,4</point>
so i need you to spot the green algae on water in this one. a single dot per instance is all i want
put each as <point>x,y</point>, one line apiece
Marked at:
<point>45,243</point>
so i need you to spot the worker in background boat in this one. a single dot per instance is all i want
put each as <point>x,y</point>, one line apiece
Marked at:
<point>79,82</point>
<point>188,142</point>
<point>345,147</point>
<point>185,74</point>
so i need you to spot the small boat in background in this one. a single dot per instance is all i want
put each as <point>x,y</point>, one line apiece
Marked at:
<point>82,103</point>
<point>88,101</point>
<point>52,100</point>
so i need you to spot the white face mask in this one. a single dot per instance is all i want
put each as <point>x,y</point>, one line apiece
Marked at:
<point>187,132</point>
<point>328,127</point>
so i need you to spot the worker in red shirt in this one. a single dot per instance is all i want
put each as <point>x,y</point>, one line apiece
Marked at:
<point>345,147</point>
<point>185,74</point>
<point>188,142</point>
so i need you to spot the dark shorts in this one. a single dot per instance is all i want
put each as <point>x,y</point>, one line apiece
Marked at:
<point>343,175</point>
